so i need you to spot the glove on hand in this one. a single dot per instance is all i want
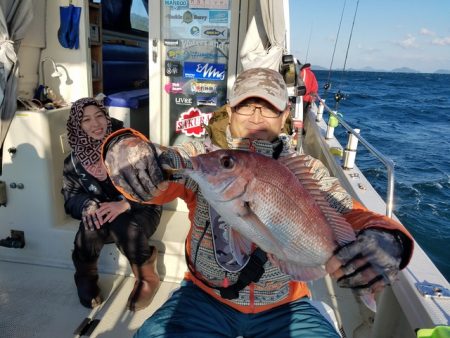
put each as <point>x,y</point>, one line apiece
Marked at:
<point>371,262</point>
<point>132,164</point>
<point>89,215</point>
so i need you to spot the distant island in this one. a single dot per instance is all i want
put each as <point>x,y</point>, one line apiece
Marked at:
<point>395,70</point>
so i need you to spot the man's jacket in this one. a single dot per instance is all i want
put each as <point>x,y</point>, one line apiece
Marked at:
<point>274,287</point>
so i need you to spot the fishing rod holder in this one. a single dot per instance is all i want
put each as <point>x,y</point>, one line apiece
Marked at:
<point>350,150</point>
<point>319,114</point>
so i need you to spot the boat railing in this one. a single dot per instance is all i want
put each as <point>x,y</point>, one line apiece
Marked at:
<point>387,162</point>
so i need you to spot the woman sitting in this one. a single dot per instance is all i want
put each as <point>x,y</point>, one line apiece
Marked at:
<point>106,216</point>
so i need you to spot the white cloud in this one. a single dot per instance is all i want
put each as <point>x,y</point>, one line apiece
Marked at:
<point>426,31</point>
<point>408,42</point>
<point>441,41</point>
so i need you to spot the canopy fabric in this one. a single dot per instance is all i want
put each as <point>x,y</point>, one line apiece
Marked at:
<point>15,16</point>
<point>264,43</point>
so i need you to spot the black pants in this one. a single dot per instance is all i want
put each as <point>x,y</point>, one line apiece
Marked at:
<point>130,231</point>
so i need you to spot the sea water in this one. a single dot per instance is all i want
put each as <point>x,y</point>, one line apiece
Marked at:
<point>406,116</point>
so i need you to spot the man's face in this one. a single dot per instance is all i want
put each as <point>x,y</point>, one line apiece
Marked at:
<point>258,125</point>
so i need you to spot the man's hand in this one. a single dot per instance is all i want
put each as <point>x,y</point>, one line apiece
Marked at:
<point>133,166</point>
<point>368,264</point>
<point>89,215</point>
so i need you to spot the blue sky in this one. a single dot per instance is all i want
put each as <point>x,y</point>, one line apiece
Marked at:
<point>387,33</point>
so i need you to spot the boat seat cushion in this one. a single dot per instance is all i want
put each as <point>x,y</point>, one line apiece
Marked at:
<point>125,68</point>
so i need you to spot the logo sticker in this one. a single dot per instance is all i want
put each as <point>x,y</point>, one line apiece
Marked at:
<point>188,17</point>
<point>195,31</point>
<point>213,32</point>
<point>218,16</point>
<point>182,100</point>
<point>177,54</point>
<point>204,71</point>
<point>191,122</point>
<point>173,88</point>
<point>171,42</point>
<point>215,4</point>
<point>172,68</point>
<point>203,87</point>
<point>176,3</point>
<point>207,101</point>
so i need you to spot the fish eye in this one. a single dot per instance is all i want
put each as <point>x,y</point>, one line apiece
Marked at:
<point>227,162</point>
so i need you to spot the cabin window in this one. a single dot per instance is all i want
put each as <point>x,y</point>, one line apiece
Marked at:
<point>139,15</point>
<point>125,16</point>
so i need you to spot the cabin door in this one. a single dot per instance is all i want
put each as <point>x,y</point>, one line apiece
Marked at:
<point>192,61</point>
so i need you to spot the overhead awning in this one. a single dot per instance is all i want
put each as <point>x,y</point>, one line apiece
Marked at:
<point>265,41</point>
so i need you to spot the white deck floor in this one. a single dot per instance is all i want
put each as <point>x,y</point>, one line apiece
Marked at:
<point>40,301</point>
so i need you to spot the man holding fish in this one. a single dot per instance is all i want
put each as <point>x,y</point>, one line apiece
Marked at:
<point>264,220</point>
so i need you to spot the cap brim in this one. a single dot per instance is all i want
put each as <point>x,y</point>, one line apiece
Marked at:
<point>274,101</point>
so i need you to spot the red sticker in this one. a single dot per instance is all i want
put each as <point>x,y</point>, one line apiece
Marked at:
<point>191,122</point>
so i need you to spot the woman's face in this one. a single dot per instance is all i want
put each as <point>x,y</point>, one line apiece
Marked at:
<point>94,122</point>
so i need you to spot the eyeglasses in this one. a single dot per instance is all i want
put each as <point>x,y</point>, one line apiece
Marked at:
<point>249,110</point>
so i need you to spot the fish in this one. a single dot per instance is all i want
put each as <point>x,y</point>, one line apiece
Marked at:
<point>281,209</point>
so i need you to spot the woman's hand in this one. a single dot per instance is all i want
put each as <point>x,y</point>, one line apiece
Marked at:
<point>109,211</point>
<point>89,215</point>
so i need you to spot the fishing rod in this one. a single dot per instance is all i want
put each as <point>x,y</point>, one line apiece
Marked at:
<point>327,85</point>
<point>339,95</point>
<point>309,42</point>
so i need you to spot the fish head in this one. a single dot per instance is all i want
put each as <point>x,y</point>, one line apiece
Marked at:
<point>222,175</point>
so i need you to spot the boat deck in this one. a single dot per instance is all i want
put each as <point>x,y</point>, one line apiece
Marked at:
<point>41,301</point>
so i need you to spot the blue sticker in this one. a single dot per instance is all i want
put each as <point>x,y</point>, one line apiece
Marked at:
<point>204,71</point>
<point>218,16</point>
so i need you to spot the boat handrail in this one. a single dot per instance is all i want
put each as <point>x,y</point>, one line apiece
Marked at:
<point>387,162</point>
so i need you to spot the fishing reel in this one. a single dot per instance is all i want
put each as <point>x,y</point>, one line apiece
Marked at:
<point>290,70</point>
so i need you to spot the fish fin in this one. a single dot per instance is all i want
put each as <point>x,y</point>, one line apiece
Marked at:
<point>369,300</point>
<point>298,272</point>
<point>300,167</point>
<point>240,246</point>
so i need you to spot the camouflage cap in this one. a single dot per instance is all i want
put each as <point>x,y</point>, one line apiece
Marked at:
<point>263,83</point>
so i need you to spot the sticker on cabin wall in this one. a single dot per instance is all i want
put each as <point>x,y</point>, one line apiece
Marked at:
<point>174,87</point>
<point>171,42</point>
<point>203,87</point>
<point>214,4</point>
<point>204,71</point>
<point>177,54</point>
<point>182,100</point>
<point>172,68</point>
<point>204,43</point>
<point>218,16</point>
<point>214,32</point>
<point>207,101</point>
<point>175,4</point>
<point>195,31</point>
<point>192,122</point>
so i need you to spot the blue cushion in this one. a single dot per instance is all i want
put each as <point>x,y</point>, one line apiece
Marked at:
<point>130,99</point>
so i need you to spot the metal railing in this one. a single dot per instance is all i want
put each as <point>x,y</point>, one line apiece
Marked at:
<point>388,163</point>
